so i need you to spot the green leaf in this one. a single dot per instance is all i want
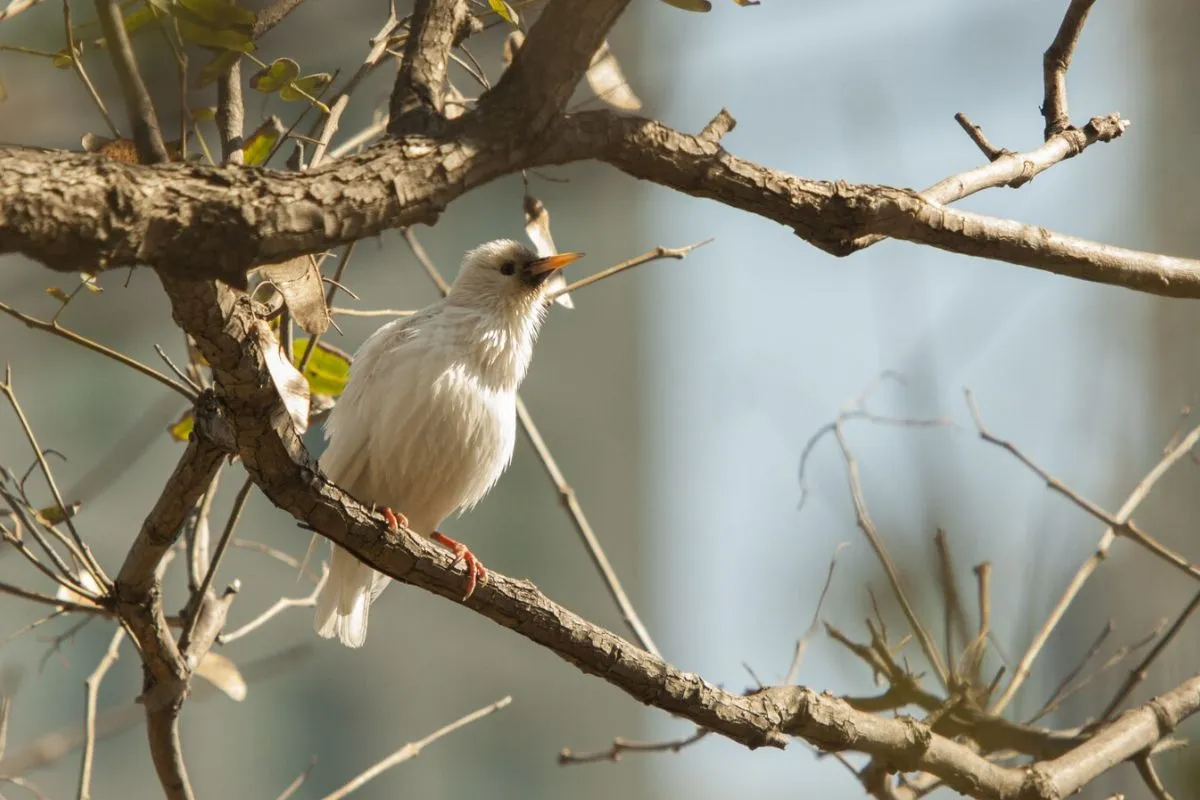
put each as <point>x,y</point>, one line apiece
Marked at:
<point>276,76</point>
<point>690,5</point>
<point>52,515</point>
<point>203,113</point>
<point>309,84</point>
<point>228,38</point>
<point>181,430</point>
<point>506,12</point>
<point>217,67</point>
<point>58,294</point>
<point>259,144</point>
<point>63,59</point>
<point>327,370</point>
<point>220,12</point>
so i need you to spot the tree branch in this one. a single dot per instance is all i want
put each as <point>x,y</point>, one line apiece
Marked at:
<point>417,96</point>
<point>147,135</point>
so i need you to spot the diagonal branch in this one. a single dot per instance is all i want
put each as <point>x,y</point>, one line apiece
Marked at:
<point>147,134</point>
<point>417,96</point>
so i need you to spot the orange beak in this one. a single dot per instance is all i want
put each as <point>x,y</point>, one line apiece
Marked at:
<point>542,266</point>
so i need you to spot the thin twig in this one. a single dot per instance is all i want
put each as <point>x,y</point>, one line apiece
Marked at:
<point>373,312</point>
<point>179,373</point>
<point>334,285</point>
<point>77,65</point>
<point>814,626</point>
<point>235,514</point>
<point>867,526</point>
<point>979,138</point>
<point>89,719</point>
<point>1149,775</point>
<point>299,780</point>
<point>96,347</point>
<point>282,604</point>
<point>147,135</point>
<point>413,749</point>
<point>89,561</point>
<point>1138,674</point>
<point>1055,63</point>
<point>656,254</point>
<point>1139,493</point>
<point>620,746</point>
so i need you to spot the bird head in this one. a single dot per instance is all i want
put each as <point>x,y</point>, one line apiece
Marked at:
<point>507,274</point>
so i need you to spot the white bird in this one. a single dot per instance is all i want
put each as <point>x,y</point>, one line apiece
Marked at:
<point>427,422</point>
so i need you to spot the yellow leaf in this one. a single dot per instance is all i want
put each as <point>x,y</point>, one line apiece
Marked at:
<point>63,59</point>
<point>217,67</point>
<point>309,84</point>
<point>222,673</point>
<point>259,144</point>
<point>690,5</point>
<point>505,11</point>
<point>276,76</point>
<point>327,370</point>
<point>220,12</point>
<point>204,113</point>
<point>58,294</point>
<point>181,431</point>
<point>203,35</point>
<point>52,515</point>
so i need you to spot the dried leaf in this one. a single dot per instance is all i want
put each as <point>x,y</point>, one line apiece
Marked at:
<point>608,81</point>
<point>84,579</point>
<point>291,385</point>
<point>511,45</point>
<point>259,144</point>
<point>222,673</point>
<point>274,77</point>
<point>181,430</point>
<point>89,282</point>
<point>690,5</point>
<point>327,370</point>
<point>537,228</point>
<point>299,281</point>
<point>58,294</point>
<point>309,84</point>
<point>505,11</point>
<point>123,150</point>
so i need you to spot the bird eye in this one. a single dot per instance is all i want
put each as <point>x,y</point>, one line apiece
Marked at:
<point>508,268</point>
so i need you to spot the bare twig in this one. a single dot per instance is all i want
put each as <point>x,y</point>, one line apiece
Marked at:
<point>282,604</point>
<point>1149,775</point>
<point>16,7</point>
<point>863,518</point>
<point>299,780</point>
<point>621,746</point>
<point>413,749</point>
<point>1138,674</point>
<point>96,347</point>
<point>84,553</point>
<point>77,65</point>
<point>977,136</point>
<point>89,724</point>
<point>814,626</point>
<point>187,639</point>
<point>1055,63</point>
<point>231,114</point>
<point>656,254</point>
<point>147,134</point>
<point>1139,493</point>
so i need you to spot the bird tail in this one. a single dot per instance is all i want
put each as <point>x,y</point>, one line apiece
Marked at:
<point>345,599</point>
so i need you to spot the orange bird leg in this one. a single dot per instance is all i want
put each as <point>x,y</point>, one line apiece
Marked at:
<point>476,572</point>
<point>395,520</point>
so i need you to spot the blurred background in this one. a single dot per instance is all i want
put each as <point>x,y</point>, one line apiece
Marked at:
<point>678,399</point>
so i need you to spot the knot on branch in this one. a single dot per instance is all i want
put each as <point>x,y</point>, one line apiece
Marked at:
<point>214,423</point>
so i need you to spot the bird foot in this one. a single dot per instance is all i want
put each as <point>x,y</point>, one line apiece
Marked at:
<point>395,520</point>
<point>476,572</point>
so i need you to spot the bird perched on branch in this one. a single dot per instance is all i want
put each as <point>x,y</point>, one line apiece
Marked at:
<point>427,422</point>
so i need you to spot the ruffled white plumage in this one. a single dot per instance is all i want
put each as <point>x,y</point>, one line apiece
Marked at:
<point>427,422</point>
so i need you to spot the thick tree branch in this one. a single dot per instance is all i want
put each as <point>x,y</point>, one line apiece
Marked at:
<point>71,211</point>
<point>551,62</point>
<point>416,103</point>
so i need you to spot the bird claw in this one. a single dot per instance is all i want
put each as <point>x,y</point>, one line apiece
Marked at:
<point>395,521</point>
<point>476,572</point>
